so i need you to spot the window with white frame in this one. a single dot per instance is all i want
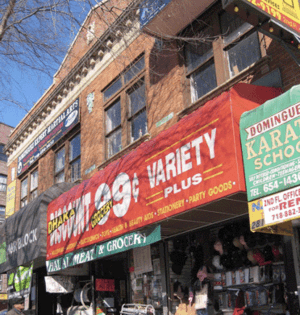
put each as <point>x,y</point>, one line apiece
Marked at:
<point>74,158</point>
<point>137,110</point>
<point>200,64</point>
<point>34,181</point>
<point>125,102</point>
<point>3,182</point>
<point>113,128</point>
<point>241,43</point>
<point>24,192</point>
<point>60,166</point>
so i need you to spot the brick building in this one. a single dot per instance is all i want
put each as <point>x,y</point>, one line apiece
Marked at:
<point>5,132</point>
<point>124,84</point>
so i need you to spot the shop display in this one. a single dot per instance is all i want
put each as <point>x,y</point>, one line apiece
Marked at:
<point>147,286</point>
<point>245,270</point>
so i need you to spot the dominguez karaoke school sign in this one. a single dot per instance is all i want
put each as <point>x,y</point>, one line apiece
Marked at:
<point>270,136</point>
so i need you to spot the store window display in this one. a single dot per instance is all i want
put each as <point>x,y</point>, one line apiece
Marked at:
<point>239,271</point>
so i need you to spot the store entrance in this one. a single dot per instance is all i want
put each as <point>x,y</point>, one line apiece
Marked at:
<point>110,284</point>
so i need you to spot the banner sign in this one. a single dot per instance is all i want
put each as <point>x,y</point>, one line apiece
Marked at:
<point>270,144</point>
<point>19,282</point>
<point>3,296</point>
<point>260,209</point>
<point>192,163</point>
<point>118,245</point>
<point>149,9</point>
<point>284,11</point>
<point>25,232</point>
<point>10,199</point>
<point>50,135</point>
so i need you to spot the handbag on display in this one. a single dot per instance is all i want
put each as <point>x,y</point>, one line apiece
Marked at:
<point>201,297</point>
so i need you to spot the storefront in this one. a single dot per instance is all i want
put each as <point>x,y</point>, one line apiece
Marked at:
<point>185,190</point>
<point>270,144</point>
<point>23,252</point>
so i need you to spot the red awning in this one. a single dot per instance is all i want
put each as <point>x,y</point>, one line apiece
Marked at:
<point>196,161</point>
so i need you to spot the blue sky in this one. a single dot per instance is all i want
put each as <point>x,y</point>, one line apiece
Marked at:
<point>30,88</point>
<point>26,86</point>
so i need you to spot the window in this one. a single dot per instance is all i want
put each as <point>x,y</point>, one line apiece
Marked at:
<point>113,128</point>
<point>2,212</point>
<point>74,159</point>
<point>24,192</point>
<point>72,163</point>
<point>3,157</point>
<point>138,114</point>
<point>60,166</point>
<point>126,92</point>
<point>242,49</point>
<point>29,187</point>
<point>3,182</point>
<point>200,65</point>
<point>34,180</point>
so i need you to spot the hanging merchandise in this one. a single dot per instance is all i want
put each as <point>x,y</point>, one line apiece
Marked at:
<point>19,282</point>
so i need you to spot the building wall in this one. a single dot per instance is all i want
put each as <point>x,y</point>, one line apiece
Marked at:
<point>5,132</point>
<point>167,90</point>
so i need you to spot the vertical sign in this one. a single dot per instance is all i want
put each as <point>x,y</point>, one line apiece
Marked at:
<point>10,199</point>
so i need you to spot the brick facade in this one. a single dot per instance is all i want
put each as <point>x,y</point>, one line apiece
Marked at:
<point>166,82</point>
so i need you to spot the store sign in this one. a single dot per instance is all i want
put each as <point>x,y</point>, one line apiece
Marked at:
<point>270,136</point>
<point>19,282</point>
<point>50,135</point>
<point>190,164</point>
<point>261,208</point>
<point>118,245</point>
<point>286,13</point>
<point>10,199</point>
<point>149,9</point>
<point>3,296</point>
<point>59,284</point>
<point>105,285</point>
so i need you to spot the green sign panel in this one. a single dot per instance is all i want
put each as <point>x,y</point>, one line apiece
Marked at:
<point>19,281</point>
<point>270,136</point>
<point>3,253</point>
<point>118,245</point>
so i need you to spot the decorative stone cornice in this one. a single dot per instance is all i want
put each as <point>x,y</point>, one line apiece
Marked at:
<point>103,45</point>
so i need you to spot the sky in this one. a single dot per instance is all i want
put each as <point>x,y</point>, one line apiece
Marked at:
<point>30,89</point>
<point>27,86</point>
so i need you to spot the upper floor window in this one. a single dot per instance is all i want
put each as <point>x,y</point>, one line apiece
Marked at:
<point>125,114</point>
<point>200,64</point>
<point>113,128</point>
<point>242,47</point>
<point>60,166</point>
<point>3,156</point>
<point>29,187</point>
<point>75,164</point>
<point>3,182</point>
<point>24,192</point>
<point>34,181</point>
<point>2,212</point>
<point>137,110</point>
